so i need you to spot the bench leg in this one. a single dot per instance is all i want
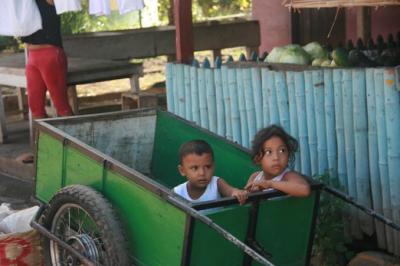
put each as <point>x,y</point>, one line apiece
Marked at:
<point>22,102</point>
<point>134,80</point>
<point>216,53</point>
<point>73,99</point>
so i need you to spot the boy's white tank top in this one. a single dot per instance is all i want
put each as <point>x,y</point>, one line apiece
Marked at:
<point>211,192</point>
<point>260,176</point>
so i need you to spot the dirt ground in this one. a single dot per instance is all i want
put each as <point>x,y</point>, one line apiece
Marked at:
<point>154,72</point>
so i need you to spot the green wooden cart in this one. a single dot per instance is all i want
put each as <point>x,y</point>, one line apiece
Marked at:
<point>105,182</point>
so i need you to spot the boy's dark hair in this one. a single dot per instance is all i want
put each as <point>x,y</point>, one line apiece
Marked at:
<point>197,146</point>
<point>265,134</point>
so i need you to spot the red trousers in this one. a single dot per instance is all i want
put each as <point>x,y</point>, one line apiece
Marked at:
<point>47,69</point>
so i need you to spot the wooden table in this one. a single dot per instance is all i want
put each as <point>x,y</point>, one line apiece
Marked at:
<point>80,71</point>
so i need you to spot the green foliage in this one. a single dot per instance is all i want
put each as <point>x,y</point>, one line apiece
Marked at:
<point>207,8</point>
<point>330,238</point>
<point>9,43</point>
<point>79,22</point>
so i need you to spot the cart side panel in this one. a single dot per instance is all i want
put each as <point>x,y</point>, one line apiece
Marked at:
<point>283,228</point>
<point>232,163</point>
<point>210,248</point>
<point>155,228</point>
<point>49,168</point>
<point>126,139</point>
<point>81,169</point>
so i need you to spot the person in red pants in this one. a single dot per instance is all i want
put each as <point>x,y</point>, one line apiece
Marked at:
<point>46,67</point>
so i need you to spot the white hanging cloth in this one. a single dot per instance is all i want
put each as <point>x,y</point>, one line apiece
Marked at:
<point>19,18</point>
<point>63,6</point>
<point>99,7</point>
<point>126,6</point>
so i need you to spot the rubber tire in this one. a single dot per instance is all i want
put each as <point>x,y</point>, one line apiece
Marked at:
<point>102,214</point>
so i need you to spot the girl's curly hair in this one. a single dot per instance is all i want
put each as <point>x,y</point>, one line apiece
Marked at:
<point>257,151</point>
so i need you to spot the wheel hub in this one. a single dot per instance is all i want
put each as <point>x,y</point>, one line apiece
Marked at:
<point>85,245</point>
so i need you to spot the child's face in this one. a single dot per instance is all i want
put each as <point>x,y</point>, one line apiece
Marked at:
<point>276,157</point>
<point>198,169</point>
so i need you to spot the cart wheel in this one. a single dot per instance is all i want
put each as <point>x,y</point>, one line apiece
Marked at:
<point>83,218</point>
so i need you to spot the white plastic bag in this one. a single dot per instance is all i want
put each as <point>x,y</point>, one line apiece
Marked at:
<point>19,17</point>
<point>18,221</point>
<point>63,6</point>
<point>5,211</point>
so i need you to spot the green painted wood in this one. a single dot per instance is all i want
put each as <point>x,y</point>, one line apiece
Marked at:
<point>48,166</point>
<point>81,169</point>
<point>209,248</point>
<point>283,229</point>
<point>232,163</point>
<point>155,228</point>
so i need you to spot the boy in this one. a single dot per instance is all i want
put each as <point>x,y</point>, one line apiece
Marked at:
<point>197,165</point>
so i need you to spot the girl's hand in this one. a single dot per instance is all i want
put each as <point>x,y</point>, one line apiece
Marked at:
<point>241,195</point>
<point>258,185</point>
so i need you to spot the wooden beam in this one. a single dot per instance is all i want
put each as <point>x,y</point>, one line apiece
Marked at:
<point>364,23</point>
<point>184,31</point>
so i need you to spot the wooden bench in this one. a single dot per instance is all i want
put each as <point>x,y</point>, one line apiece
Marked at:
<point>80,71</point>
<point>156,41</point>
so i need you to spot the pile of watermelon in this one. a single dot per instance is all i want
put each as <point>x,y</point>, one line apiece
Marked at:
<point>371,55</point>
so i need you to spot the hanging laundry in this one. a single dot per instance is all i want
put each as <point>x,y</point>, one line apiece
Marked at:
<point>126,6</point>
<point>19,18</point>
<point>63,6</point>
<point>99,7</point>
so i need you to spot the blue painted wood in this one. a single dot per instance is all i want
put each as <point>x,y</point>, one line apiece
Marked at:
<point>382,154</point>
<point>302,118</point>
<point>294,131</point>
<point>169,82</point>
<point>282,98</point>
<point>361,148</point>
<point>194,93</point>
<point>254,56</point>
<point>347,93</point>
<point>175,90</point>
<point>242,109</point>
<point>339,128</point>
<point>250,104</point>
<point>211,100</point>
<point>180,86</point>
<point>258,96</point>
<point>201,72</point>
<point>330,124</point>
<point>218,62</point>
<point>235,116</point>
<point>219,97</point>
<point>265,97</point>
<point>227,102</point>
<point>392,113</point>
<point>319,105</point>
<point>311,127</point>
<point>375,181</point>
<point>188,93</point>
<point>272,98</point>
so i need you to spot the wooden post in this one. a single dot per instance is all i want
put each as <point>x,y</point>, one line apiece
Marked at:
<point>364,23</point>
<point>184,31</point>
<point>3,129</point>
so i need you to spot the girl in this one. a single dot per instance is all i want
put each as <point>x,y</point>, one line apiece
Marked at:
<point>274,149</point>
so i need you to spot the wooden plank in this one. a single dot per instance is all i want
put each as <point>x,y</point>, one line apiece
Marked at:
<point>150,42</point>
<point>337,3</point>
